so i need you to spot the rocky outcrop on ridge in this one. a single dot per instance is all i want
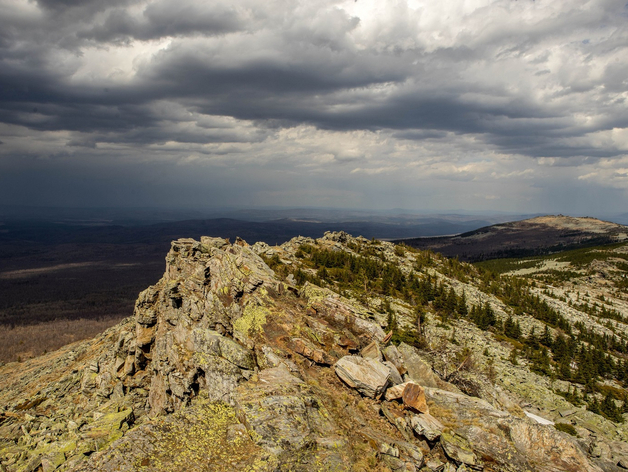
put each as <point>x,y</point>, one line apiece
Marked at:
<point>226,366</point>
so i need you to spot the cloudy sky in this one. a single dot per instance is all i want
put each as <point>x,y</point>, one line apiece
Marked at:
<point>513,105</point>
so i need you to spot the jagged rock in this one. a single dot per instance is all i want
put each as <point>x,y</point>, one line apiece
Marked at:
<point>392,355</point>
<point>308,350</point>
<point>368,376</point>
<point>372,351</point>
<point>396,392</point>
<point>341,313</point>
<point>33,464</point>
<point>412,394</point>
<point>395,378</point>
<point>107,428</point>
<point>434,464</point>
<point>458,449</point>
<point>397,419</point>
<point>425,425</point>
<point>212,343</point>
<point>388,449</point>
<point>417,369</point>
<point>52,462</point>
<point>275,411</point>
<point>393,463</point>
<point>284,417</point>
<point>510,441</point>
<point>411,454</point>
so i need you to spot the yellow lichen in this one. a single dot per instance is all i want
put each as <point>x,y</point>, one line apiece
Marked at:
<point>252,321</point>
<point>200,439</point>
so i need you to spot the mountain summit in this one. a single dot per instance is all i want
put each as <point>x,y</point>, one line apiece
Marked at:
<point>534,236</point>
<point>332,354</point>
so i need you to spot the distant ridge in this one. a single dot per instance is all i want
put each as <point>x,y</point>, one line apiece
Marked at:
<point>534,236</point>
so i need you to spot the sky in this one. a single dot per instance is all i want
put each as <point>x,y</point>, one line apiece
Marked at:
<point>500,105</point>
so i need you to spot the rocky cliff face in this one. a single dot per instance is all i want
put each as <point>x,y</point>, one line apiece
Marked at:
<point>225,365</point>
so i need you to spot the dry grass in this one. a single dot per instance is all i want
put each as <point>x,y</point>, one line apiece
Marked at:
<point>23,342</point>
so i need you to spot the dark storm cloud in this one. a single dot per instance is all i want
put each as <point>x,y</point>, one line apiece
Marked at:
<point>166,19</point>
<point>262,81</point>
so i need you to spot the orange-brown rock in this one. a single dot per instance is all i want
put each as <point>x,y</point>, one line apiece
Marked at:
<point>414,398</point>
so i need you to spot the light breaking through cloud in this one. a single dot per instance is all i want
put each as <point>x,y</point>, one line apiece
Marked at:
<point>503,104</point>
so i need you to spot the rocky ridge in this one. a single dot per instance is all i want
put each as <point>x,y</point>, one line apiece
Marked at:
<point>534,236</point>
<point>227,365</point>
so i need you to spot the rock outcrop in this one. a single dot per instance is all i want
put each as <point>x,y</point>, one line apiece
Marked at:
<point>226,366</point>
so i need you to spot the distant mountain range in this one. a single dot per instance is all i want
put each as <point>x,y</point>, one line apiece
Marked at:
<point>535,236</point>
<point>74,263</point>
<point>78,264</point>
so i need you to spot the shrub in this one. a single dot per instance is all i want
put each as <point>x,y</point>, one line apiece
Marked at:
<point>566,428</point>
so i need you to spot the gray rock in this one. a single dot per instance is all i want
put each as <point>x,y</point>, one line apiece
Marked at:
<point>418,370</point>
<point>372,351</point>
<point>425,425</point>
<point>392,354</point>
<point>282,415</point>
<point>395,378</point>
<point>410,453</point>
<point>568,412</point>
<point>458,449</point>
<point>397,419</point>
<point>370,377</point>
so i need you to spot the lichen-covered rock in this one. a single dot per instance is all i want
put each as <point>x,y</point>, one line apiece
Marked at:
<point>512,442</point>
<point>458,449</point>
<point>284,417</point>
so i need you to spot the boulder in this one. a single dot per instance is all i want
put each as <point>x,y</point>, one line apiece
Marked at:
<point>395,378</point>
<point>412,395</point>
<point>418,370</point>
<point>372,351</point>
<point>368,376</point>
<point>411,454</point>
<point>458,449</point>
<point>392,354</point>
<point>283,416</point>
<point>396,391</point>
<point>414,398</point>
<point>425,425</point>
<point>511,442</point>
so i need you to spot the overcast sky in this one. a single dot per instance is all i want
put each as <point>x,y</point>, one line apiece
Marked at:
<point>513,105</point>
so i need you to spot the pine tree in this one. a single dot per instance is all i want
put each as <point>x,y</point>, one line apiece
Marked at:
<point>462,305</point>
<point>546,339</point>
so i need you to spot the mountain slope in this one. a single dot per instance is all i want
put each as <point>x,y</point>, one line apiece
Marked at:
<point>277,358</point>
<point>540,235</point>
